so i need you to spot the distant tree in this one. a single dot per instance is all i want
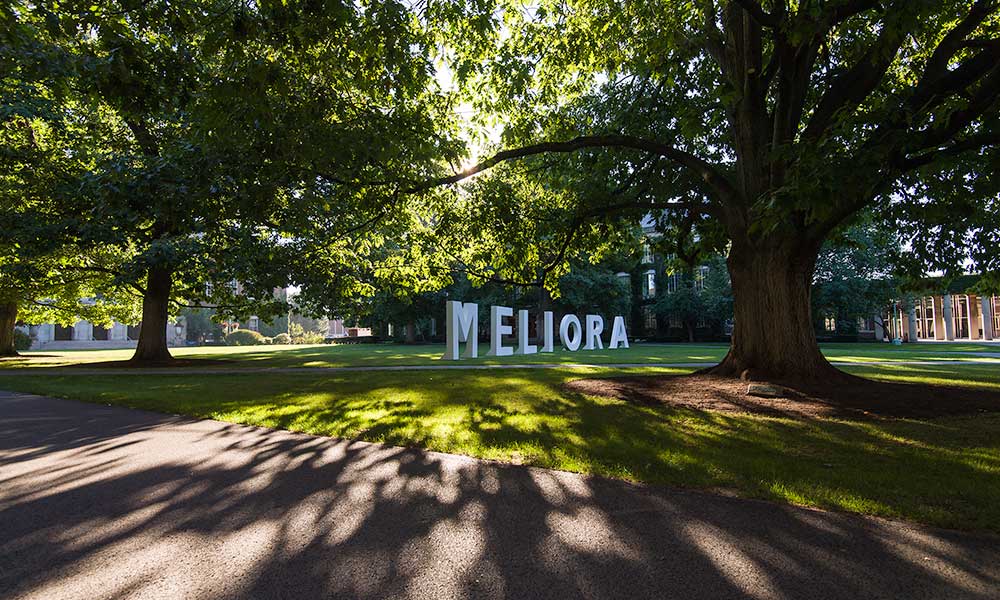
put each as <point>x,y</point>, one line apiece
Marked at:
<point>201,324</point>
<point>310,324</point>
<point>593,288</point>
<point>684,303</point>
<point>717,295</point>
<point>699,296</point>
<point>855,276</point>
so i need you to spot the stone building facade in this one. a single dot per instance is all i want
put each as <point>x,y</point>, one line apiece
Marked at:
<point>86,335</point>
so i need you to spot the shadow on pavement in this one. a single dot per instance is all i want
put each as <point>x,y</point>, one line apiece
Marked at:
<point>101,502</point>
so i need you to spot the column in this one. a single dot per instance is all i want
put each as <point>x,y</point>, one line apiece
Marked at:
<point>949,321</point>
<point>987,315</point>
<point>911,319</point>
<point>879,329</point>
<point>83,331</point>
<point>46,332</point>
<point>118,332</point>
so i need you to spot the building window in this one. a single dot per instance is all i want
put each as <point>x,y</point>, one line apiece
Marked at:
<point>699,278</point>
<point>928,317</point>
<point>830,324</point>
<point>918,313</point>
<point>996,315</point>
<point>647,254</point>
<point>649,284</point>
<point>649,318</point>
<point>672,283</point>
<point>960,309</point>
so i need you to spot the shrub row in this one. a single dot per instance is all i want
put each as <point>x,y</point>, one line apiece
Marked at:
<point>247,337</point>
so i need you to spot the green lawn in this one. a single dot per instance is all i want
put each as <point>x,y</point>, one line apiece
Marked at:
<point>394,354</point>
<point>944,472</point>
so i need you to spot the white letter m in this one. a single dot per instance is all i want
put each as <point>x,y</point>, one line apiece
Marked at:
<point>463,326</point>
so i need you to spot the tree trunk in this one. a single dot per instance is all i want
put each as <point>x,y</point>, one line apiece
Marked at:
<point>773,336</point>
<point>689,324</point>
<point>152,345</point>
<point>8,319</point>
<point>411,333</point>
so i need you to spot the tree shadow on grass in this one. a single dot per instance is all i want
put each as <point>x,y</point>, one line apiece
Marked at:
<point>940,472</point>
<point>168,507</point>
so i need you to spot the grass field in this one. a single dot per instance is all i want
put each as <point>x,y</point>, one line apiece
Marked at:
<point>944,472</point>
<point>394,354</point>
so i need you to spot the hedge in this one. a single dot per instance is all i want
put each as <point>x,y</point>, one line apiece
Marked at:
<point>244,337</point>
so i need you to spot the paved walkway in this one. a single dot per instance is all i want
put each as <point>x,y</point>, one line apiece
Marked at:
<point>107,502</point>
<point>237,370</point>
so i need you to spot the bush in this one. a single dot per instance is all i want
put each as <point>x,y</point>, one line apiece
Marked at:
<point>268,340</point>
<point>282,338</point>
<point>244,337</point>
<point>22,341</point>
<point>309,337</point>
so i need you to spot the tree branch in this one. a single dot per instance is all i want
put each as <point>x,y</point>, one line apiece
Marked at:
<point>852,86</point>
<point>937,64</point>
<point>765,19</point>
<point>839,13</point>
<point>714,44</point>
<point>985,97</point>
<point>708,173</point>
<point>144,137</point>
<point>969,144</point>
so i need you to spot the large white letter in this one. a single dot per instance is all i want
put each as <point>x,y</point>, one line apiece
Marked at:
<point>571,343</point>
<point>463,326</point>
<point>595,327</point>
<point>523,347</point>
<point>498,330</point>
<point>618,335</point>
<point>547,331</point>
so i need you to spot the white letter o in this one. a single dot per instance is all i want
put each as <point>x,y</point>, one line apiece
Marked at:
<point>571,343</point>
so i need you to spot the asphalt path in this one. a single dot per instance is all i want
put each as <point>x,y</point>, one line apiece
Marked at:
<point>107,502</point>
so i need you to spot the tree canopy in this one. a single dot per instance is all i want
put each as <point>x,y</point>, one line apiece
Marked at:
<point>231,141</point>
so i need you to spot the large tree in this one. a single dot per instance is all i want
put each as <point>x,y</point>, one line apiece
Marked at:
<point>233,134</point>
<point>46,275</point>
<point>774,122</point>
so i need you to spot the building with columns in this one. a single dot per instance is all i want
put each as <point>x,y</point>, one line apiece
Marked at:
<point>944,317</point>
<point>85,335</point>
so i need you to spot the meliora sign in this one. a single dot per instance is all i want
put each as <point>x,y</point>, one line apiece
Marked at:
<point>463,326</point>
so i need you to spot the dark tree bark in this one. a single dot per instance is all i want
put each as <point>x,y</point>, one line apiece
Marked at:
<point>152,345</point>
<point>8,318</point>
<point>690,325</point>
<point>773,335</point>
<point>411,333</point>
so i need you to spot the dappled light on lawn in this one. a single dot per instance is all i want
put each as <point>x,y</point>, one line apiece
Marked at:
<point>941,471</point>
